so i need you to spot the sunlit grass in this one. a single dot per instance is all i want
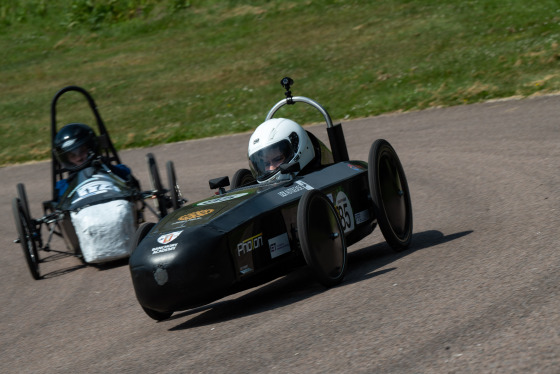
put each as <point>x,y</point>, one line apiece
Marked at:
<point>178,70</point>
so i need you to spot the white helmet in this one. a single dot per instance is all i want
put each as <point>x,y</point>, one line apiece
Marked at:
<point>275,142</point>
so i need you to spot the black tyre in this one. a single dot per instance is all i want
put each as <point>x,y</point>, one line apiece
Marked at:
<point>158,316</point>
<point>26,238</point>
<point>391,197</point>
<point>321,238</point>
<point>22,195</point>
<point>141,233</point>
<point>155,180</point>
<point>242,177</point>
<point>175,191</point>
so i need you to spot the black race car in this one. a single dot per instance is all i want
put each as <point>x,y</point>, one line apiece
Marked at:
<point>99,213</point>
<point>255,232</point>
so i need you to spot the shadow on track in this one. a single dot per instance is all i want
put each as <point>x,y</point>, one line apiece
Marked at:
<point>299,285</point>
<point>59,256</point>
<point>363,262</point>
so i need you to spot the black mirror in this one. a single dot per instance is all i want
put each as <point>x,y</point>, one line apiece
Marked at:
<point>219,182</point>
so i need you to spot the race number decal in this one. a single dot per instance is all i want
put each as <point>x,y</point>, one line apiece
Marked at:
<point>93,187</point>
<point>345,212</point>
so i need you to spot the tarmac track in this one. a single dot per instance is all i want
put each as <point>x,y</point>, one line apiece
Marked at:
<point>478,291</point>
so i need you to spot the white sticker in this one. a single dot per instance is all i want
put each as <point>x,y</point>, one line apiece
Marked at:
<point>279,245</point>
<point>298,186</point>
<point>223,198</point>
<point>94,187</point>
<point>345,212</point>
<point>250,244</point>
<point>169,237</point>
<point>362,216</point>
<point>164,248</point>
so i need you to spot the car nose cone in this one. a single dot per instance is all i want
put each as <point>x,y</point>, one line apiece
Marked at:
<point>195,269</point>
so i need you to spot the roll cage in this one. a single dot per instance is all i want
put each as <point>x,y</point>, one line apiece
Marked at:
<point>106,148</point>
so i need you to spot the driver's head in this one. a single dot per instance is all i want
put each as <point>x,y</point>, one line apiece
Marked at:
<point>75,145</point>
<point>275,142</point>
<point>275,156</point>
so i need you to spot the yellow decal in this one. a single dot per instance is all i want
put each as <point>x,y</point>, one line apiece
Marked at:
<point>195,215</point>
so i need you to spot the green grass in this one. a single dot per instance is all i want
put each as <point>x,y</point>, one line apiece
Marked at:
<point>171,70</point>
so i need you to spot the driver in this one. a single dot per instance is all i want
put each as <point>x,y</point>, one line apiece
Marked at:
<point>78,156</point>
<point>75,147</point>
<point>275,142</point>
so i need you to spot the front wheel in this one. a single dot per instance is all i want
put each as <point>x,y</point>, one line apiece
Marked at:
<point>242,177</point>
<point>175,191</point>
<point>322,238</point>
<point>26,238</point>
<point>141,233</point>
<point>157,187</point>
<point>391,197</point>
<point>22,195</point>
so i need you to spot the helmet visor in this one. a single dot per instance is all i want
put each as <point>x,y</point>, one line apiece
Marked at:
<point>76,156</point>
<point>265,161</point>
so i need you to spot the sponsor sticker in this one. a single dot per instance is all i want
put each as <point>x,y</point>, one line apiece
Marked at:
<point>195,215</point>
<point>169,237</point>
<point>362,216</point>
<point>223,198</point>
<point>164,248</point>
<point>296,187</point>
<point>355,167</point>
<point>245,270</point>
<point>279,245</point>
<point>249,244</point>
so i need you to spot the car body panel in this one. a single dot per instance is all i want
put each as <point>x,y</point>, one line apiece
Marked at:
<point>233,241</point>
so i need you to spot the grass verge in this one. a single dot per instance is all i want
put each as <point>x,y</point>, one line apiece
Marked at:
<point>171,70</point>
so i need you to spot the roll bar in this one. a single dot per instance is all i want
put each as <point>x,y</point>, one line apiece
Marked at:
<point>106,146</point>
<point>335,133</point>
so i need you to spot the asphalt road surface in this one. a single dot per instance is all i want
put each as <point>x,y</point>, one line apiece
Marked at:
<point>477,292</point>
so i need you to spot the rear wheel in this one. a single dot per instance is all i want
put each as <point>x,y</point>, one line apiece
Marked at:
<point>26,238</point>
<point>242,177</point>
<point>161,204</point>
<point>391,197</point>
<point>321,238</point>
<point>176,197</point>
